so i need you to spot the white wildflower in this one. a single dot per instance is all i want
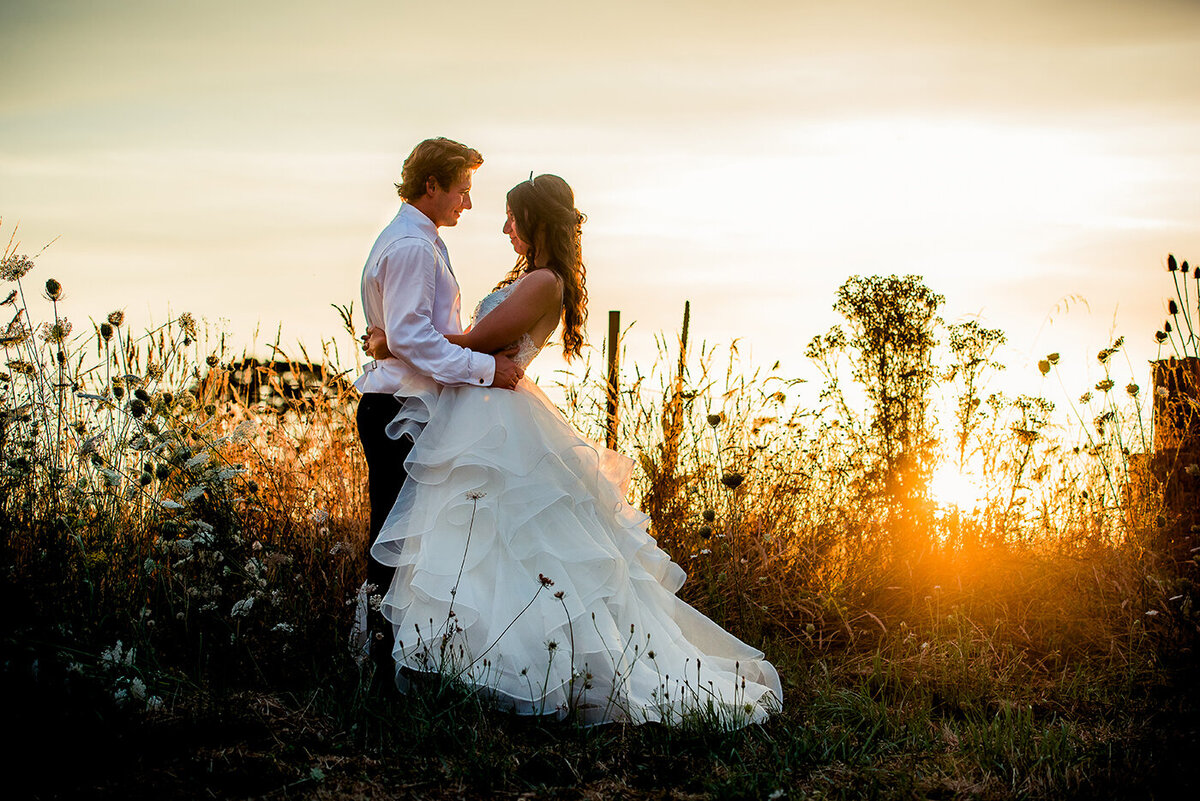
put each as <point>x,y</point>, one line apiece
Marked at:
<point>149,565</point>
<point>283,628</point>
<point>121,696</point>
<point>1151,612</point>
<point>197,460</point>
<point>242,608</point>
<point>230,472</point>
<point>1162,392</point>
<point>318,516</point>
<point>111,477</point>
<point>167,503</point>
<point>375,601</point>
<point>154,703</point>
<point>137,688</point>
<point>193,493</point>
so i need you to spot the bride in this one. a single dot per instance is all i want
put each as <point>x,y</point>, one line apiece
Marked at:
<point>520,568</point>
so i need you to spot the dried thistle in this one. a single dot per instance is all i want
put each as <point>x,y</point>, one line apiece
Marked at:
<point>54,290</point>
<point>116,318</point>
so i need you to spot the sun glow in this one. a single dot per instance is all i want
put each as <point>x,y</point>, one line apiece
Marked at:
<point>951,487</point>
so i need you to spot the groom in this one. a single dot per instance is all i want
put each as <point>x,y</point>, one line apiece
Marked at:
<point>409,290</point>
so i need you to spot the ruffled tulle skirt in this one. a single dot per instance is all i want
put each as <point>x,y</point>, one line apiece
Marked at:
<point>521,570</point>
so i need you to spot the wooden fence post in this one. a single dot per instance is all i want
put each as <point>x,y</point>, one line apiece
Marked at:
<point>614,345</point>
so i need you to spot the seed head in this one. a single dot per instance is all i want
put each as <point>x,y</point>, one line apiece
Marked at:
<point>709,515</point>
<point>188,323</point>
<point>546,582</point>
<point>53,289</point>
<point>145,478</point>
<point>733,480</point>
<point>116,318</point>
<point>106,331</point>
<point>1172,307</point>
<point>141,395</point>
<point>1172,266</point>
<point>56,332</point>
<point>15,266</point>
<point>1105,385</point>
<point>1132,389</point>
<point>714,420</point>
<point>1160,336</point>
<point>1167,326</point>
<point>21,366</point>
<point>705,532</point>
<point>137,407</point>
<point>1043,366</point>
<point>12,298</point>
<point>1053,358</point>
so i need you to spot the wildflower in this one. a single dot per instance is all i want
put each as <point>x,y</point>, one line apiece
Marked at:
<point>546,582</point>
<point>1085,398</point>
<point>137,688</point>
<point>188,323</point>
<point>137,407</point>
<point>1160,391</point>
<point>650,654</point>
<point>193,493</point>
<point>709,515</point>
<point>1132,389</point>
<point>12,298</point>
<point>1172,307</point>
<point>154,704</point>
<point>1103,356</point>
<point>375,602</point>
<point>1151,612</point>
<point>167,503</point>
<point>53,289</point>
<point>1053,358</point>
<point>705,551</point>
<point>1160,336</point>
<point>283,628</point>
<point>196,461</point>
<point>1167,326</point>
<point>242,608</point>
<point>552,646</point>
<point>106,331</point>
<point>243,430</point>
<point>116,318</point>
<point>56,332</point>
<point>732,480</point>
<point>475,495</point>
<point>1105,385</point>
<point>211,360</point>
<point>705,532</point>
<point>252,486</point>
<point>1043,366</point>
<point>154,371</point>
<point>16,333</point>
<point>318,516</point>
<point>1171,265</point>
<point>21,366</point>
<point>714,420</point>
<point>15,266</point>
<point>1192,470</point>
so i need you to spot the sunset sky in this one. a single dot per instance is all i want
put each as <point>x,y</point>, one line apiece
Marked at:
<point>1034,161</point>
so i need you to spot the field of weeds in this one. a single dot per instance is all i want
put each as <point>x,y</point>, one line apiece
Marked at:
<point>183,533</point>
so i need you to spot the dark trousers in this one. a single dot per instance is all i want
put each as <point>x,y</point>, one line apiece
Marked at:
<point>385,477</point>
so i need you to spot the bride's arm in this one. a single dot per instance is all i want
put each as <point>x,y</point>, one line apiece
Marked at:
<point>537,295</point>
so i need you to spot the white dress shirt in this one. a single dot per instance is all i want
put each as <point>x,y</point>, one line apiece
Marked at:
<point>409,290</point>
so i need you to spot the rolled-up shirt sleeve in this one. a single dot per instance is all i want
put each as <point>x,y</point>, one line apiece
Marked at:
<point>408,273</point>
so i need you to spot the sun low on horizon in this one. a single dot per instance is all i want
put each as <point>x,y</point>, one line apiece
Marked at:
<point>1033,162</point>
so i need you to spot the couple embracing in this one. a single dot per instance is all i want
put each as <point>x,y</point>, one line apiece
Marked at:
<point>501,543</point>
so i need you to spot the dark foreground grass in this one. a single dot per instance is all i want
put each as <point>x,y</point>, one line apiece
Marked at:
<point>854,726</point>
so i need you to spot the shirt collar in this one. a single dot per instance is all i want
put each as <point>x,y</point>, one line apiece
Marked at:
<point>420,222</point>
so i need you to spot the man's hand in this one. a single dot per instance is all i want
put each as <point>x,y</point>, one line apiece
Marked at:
<point>507,373</point>
<point>375,343</point>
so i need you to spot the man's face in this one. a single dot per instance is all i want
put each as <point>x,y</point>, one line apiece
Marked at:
<point>447,205</point>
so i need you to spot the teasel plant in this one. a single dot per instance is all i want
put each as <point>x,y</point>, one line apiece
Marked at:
<point>1182,328</point>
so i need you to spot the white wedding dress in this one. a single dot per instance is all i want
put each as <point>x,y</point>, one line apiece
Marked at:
<point>504,497</point>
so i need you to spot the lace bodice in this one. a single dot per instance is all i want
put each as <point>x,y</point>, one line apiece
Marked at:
<point>528,349</point>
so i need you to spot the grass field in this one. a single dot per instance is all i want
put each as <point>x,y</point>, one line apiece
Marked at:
<point>181,545</point>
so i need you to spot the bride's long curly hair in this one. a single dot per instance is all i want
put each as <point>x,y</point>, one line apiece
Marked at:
<point>547,220</point>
